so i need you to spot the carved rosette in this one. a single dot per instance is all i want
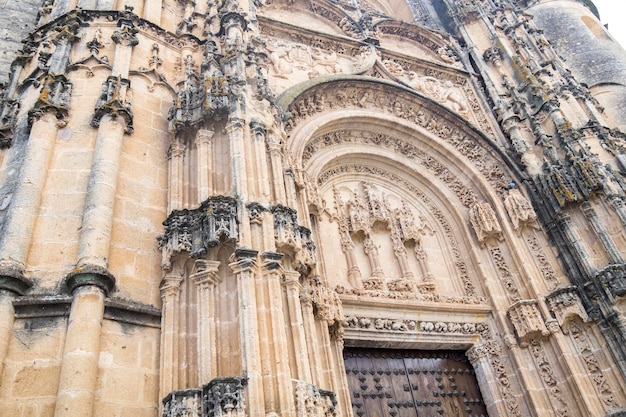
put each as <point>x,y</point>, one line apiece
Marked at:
<point>566,305</point>
<point>194,231</point>
<point>113,101</point>
<point>527,321</point>
<point>314,402</point>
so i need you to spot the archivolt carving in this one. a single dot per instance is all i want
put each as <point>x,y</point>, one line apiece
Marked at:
<point>547,271</point>
<point>407,149</point>
<point>566,305</point>
<point>505,275</point>
<point>349,96</point>
<point>470,296</point>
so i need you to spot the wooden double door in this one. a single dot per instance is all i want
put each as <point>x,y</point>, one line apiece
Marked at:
<point>410,383</point>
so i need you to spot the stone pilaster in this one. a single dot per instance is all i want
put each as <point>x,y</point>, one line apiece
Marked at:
<point>207,278</point>
<point>277,335</point>
<point>291,282</point>
<point>170,294</point>
<point>204,145</point>
<point>244,267</point>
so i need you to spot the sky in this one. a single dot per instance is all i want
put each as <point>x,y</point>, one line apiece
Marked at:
<point>613,12</point>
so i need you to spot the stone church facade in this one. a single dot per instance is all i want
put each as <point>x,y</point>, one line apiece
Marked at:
<point>311,208</point>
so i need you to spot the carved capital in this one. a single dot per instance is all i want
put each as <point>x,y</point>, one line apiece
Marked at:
<point>90,275</point>
<point>566,305</point>
<point>527,321</point>
<point>114,101</point>
<point>206,272</point>
<point>258,129</point>
<point>314,402</point>
<point>126,35</point>
<point>493,55</point>
<point>12,278</point>
<point>8,113</point>
<point>271,260</point>
<point>170,286</point>
<point>613,280</point>
<point>243,260</point>
<point>54,97</point>
<point>194,231</point>
<point>476,353</point>
<point>485,223</point>
<point>519,209</point>
<point>204,137</point>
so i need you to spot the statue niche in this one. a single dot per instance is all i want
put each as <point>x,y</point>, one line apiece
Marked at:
<point>382,240</point>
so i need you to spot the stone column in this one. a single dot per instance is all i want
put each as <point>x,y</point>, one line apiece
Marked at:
<point>564,221</point>
<point>22,212</point>
<point>79,368</point>
<point>97,222</point>
<point>493,380</point>
<point>206,278</point>
<point>291,282</point>
<point>170,293</point>
<point>7,317</point>
<point>47,115</point>
<point>244,267</point>
<point>113,118</point>
<point>204,145</point>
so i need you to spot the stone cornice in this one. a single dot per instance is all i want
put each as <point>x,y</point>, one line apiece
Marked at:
<point>119,310</point>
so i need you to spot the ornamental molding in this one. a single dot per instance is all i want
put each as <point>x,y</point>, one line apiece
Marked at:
<point>527,321</point>
<point>491,170</point>
<point>411,326</point>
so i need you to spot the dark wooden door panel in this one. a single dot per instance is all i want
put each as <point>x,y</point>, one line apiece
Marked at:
<point>411,383</point>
